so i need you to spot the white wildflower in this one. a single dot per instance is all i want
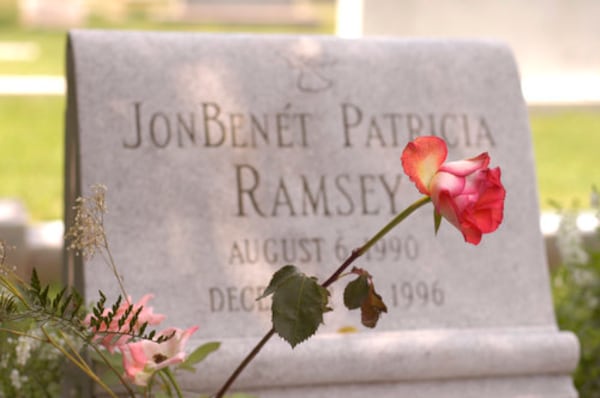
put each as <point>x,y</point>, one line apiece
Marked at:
<point>49,352</point>
<point>3,361</point>
<point>23,349</point>
<point>15,379</point>
<point>583,276</point>
<point>569,240</point>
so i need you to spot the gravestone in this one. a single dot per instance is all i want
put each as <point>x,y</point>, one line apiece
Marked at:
<point>229,156</point>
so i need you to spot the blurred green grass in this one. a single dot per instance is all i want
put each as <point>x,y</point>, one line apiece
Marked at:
<point>566,143</point>
<point>50,47</point>
<point>31,153</point>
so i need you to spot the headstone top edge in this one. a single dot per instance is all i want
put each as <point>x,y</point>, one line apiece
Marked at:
<point>482,43</point>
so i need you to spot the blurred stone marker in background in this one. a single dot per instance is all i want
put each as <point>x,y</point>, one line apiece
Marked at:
<point>562,68</point>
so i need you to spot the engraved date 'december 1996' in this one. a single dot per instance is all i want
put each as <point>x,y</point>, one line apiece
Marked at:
<point>408,295</point>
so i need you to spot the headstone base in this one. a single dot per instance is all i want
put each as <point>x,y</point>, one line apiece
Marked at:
<point>492,363</point>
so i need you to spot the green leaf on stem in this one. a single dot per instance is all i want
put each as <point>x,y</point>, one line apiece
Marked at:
<point>278,278</point>
<point>299,303</point>
<point>356,292</point>
<point>437,221</point>
<point>34,282</point>
<point>198,355</point>
<point>8,306</point>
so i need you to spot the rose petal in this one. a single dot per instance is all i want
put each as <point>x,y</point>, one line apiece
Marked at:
<point>446,182</point>
<point>422,158</point>
<point>471,233</point>
<point>465,167</point>
<point>465,192</point>
<point>447,208</point>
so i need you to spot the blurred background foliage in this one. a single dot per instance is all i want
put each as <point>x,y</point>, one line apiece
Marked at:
<point>576,290</point>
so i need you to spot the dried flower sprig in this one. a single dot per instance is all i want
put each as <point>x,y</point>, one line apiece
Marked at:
<point>5,269</point>
<point>87,236</point>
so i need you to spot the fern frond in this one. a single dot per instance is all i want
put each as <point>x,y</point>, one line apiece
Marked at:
<point>8,306</point>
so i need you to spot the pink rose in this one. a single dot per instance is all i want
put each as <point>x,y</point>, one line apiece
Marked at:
<point>142,358</point>
<point>107,334</point>
<point>466,192</point>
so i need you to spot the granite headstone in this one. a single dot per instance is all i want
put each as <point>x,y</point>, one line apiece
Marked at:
<point>229,156</point>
